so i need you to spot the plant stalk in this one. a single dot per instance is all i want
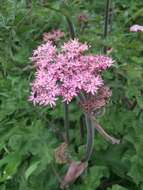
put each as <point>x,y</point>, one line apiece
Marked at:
<point>66,121</point>
<point>90,138</point>
<point>71,28</point>
<point>107,12</point>
<point>111,14</point>
<point>66,107</point>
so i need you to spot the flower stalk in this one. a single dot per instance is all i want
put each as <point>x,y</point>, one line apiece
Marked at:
<point>66,107</point>
<point>90,137</point>
<point>107,13</point>
<point>71,28</point>
<point>66,122</point>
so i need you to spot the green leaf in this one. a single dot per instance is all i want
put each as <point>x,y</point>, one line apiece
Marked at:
<point>117,187</point>
<point>31,169</point>
<point>11,162</point>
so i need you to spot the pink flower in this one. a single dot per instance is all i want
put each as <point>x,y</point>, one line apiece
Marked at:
<point>136,28</point>
<point>74,48</point>
<point>55,35</point>
<point>97,63</point>
<point>44,54</point>
<point>66,73</point>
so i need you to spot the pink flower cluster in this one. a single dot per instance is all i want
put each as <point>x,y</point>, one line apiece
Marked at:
<point>66,73</point>
<point>136,28</point>
<point>54,35</point>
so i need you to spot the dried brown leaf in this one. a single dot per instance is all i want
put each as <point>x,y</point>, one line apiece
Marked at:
<point>74,171</point>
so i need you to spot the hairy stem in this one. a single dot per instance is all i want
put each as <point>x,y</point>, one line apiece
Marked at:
<point>107,10</point>
<point>90,137</point>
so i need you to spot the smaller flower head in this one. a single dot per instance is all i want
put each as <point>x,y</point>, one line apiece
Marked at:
<point>55,35</point>
<point>74,47</point>
<point>136,28</point>
<point>44,55</point>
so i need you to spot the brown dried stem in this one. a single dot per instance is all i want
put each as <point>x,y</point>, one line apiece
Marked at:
<point>109,138</point>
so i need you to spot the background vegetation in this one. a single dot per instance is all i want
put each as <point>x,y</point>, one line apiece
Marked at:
<point>29,135</point>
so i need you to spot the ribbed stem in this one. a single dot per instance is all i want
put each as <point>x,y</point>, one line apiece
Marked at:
<point>90,138</point>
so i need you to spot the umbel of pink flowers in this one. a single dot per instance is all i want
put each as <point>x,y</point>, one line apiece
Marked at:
<point>66,72</point>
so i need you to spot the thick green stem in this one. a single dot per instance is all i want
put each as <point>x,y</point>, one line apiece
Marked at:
<point>71,28</point>
<point>90,138</point>
<point>111,14</point>
<point>107,10</point>
<point>72,35</point>
<point>66,109</point>
<point>66,122</point>
<point>82,125</point>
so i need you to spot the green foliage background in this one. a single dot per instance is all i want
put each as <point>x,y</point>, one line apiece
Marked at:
<point>29,135</point>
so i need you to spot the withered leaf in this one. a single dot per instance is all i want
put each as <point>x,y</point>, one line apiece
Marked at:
<point>74,171</point>
<point>61,154</point>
